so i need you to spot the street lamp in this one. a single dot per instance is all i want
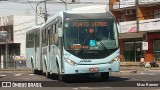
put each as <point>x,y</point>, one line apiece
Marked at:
<point>64,1</point>
<point>45,16</point>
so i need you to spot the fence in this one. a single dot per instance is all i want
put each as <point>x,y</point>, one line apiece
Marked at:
<point>12,62</point>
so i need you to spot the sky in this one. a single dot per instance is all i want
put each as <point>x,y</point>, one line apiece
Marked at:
<point>22,7</point>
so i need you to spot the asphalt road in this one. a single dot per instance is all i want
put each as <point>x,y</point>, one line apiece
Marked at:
<point>117,81</point>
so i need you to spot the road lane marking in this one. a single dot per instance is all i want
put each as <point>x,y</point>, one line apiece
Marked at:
<point>147,74</point>
<point>19,74</point>
<point>85,88</point>
<point>151,74</point>
<point>75,88</point>
<point>3,75</point>
<point>142,73</point>
<point>31,74</point>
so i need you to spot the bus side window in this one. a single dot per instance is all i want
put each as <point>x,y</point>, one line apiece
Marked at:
<point>42,38</point>
<point>38,34</point>
<point>27,41</point>
<point>56,34</point>
<point>55,26</point>
<point>50,33</point>
<point>46,37</point>
<point>53,34</point>
<point>31,41</point>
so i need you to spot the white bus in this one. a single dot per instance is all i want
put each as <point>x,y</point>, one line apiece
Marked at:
<point>75,43</point>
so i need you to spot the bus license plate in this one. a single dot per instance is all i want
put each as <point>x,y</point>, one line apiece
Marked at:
<point>94,69</point>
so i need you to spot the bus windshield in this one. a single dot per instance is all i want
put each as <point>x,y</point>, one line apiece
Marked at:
<point>90,36</point>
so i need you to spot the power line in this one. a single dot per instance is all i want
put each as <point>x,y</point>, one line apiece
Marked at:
<point>32,7</point>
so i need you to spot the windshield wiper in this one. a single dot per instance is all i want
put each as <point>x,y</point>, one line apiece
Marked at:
<point>105,48</point>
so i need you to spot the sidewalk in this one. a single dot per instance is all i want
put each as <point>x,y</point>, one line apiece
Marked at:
<point>135,69</point>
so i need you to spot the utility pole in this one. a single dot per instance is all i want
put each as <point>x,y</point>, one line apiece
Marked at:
<point>137,16</point>
<point>45,16</point>
<point>4,36</point>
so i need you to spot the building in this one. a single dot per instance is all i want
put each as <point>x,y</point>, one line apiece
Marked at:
<point>142,39</point>
<point>16,27</point>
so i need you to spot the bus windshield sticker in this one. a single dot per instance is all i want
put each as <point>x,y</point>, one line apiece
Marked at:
<point>77,46</point>
<point>91,30</point>
<point>92,43</point>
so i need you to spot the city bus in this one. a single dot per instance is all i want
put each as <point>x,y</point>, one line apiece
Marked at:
<point>33,48</point>
<point>75,43</point>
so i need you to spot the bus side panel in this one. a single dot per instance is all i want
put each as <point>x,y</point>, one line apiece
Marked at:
<point>116,66</point>
<point>30,55</point>
<point>44,58</point>
<point>38,59</point>
<point>53,66</point>
<point>82,69</point>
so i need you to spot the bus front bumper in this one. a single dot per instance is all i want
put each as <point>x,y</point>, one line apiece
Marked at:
<point>98,68</point>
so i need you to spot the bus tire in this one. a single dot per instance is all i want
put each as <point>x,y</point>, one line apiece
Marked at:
<point>39,72</point>
<point>105,76</point>
<point>63,78</point>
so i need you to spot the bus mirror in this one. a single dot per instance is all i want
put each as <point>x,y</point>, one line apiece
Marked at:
<point>60,32</point>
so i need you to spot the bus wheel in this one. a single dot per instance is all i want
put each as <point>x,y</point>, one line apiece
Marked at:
<point>105,76</point>
<point>62,78</point>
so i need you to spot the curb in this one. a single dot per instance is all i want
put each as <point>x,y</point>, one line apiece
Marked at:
<point>131,71</point>
<point>16,69</point>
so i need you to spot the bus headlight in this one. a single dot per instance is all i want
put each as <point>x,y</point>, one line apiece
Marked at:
<point>115,59</point>
<point>69,61</point>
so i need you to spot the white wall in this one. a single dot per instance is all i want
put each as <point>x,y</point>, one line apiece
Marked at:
<point>21,24</point>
